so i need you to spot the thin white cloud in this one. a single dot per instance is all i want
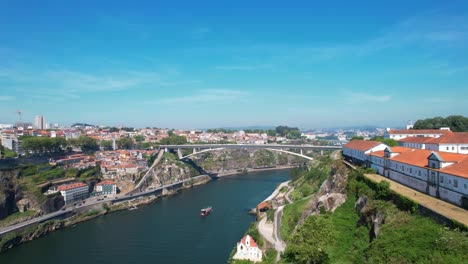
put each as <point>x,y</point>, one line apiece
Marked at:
<point>6,98</point>
<point>207,96</point>
<point>356,98</point>
<point>243,67</point>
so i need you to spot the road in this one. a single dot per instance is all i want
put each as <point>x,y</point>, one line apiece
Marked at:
<point>446,209</point>
<point>156,161</point>
<point>90,203</point>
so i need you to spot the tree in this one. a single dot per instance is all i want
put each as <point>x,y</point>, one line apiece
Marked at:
<point>139,138</point>
<point>308,244</point>
<point>457,123</point>
<point>174,140</point>
<point>124,143</point>
<point>289,132</point>
<point>357,138</point>
<point>88,144</point>
<point>387,141</point>
<point>106,144</point>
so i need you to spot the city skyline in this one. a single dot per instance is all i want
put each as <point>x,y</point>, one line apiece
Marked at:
<point>209,64</point>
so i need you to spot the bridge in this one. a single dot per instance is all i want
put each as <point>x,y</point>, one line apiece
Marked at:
<point>201,148</point>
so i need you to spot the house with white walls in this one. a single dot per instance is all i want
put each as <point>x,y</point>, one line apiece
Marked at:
<point>247,249</point>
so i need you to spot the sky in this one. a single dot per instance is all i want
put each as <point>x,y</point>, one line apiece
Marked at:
<point>206,64</point>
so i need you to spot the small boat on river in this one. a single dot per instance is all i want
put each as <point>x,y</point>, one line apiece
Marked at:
<point>206,211</point>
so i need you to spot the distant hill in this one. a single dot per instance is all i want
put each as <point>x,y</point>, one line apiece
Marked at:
<point>457,123</point>
<point>82,125</point>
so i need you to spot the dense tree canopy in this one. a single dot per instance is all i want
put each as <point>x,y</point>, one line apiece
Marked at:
<point>456,123</point>
<point>289,132</point>
<point>174,140</point>
<point>124,143</point>
<point>389,142</point>
<point>41,145</point>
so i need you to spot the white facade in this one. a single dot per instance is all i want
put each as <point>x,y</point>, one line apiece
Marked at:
<point>434,177</point>
<point>358,150</point>
<point>247,249</point>
<point>39,122</point>
<point>461,148</point>
<point>70,193</point>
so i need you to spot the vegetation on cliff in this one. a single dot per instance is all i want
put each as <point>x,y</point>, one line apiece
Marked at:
<point>374,225</point>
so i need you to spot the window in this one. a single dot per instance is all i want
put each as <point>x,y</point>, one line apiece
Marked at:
<point>455,183</point>
<point>410,170</point>
<point>447,148</point>
<point>419,173</point>
<point>441,178</point>
<point>464,185</point>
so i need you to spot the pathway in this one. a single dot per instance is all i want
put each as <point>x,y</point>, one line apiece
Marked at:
<point>446,209</point>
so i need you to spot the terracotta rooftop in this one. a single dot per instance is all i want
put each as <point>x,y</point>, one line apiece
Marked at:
<point>362,145</point>
<point>252,241</point>
<point>106,183</point>
<point>419,131</point>
<point>458,137</point>
<point>417,139</point>
<point>67,187</point>
<point>263,205</point>
<point>458,169</point>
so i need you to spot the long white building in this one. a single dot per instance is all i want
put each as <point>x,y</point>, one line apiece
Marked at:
<point>440,174</point>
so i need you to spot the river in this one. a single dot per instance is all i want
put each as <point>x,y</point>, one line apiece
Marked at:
<point>169,230</point>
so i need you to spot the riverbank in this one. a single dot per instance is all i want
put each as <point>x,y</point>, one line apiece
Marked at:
<point>33,232</point>
<point>249,170</point>
<point>19,237</point>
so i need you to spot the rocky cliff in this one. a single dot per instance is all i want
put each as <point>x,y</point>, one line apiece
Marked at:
<point>17,197</point>
<point>238,159</point>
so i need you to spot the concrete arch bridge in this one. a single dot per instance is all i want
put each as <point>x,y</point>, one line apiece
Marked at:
<point>202,148</point>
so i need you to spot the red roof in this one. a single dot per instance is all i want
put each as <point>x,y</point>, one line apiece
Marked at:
<point>252,241</point>
<point>67,187</point>
<point>458,169</point>
<point>419,131</point>
<point>417,140</point>
<point>106,183</point>
<point>458,137</point>
<point>263,205</point>
<point>362,145</point>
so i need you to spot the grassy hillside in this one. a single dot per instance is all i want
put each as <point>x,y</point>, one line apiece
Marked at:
<point>404,237</point>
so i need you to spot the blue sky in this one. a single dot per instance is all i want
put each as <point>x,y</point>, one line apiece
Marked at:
<point>198,64</point>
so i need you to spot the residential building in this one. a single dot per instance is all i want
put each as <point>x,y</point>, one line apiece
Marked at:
<point>40,122</point>
<point>440,174</point>
<point>357,151</point>
<point>106,187</point>
<point>401,134</point>
<point>452,142</point>
<point>74,191</point>
<point>247,249</point>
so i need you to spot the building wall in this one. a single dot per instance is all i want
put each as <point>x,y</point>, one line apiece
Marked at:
<point>75,194</point>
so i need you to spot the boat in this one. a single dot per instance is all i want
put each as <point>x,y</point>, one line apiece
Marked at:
<point>206,211</point>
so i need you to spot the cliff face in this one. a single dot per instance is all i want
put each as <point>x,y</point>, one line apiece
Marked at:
<point>14,197</point>
<point>7,193</point>
<point>227,160</point>
<point>331,194</point>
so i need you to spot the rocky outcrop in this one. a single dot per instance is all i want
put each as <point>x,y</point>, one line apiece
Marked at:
<point>331,194</point>
<point>7,193</point>
<point>53,204</point>
<point>239,159</point>
<point>29,234</point>
<point>369,216</point>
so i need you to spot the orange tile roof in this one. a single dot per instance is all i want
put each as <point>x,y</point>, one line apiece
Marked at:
<point>458,137</point>
<point>419,131</point>
<point>67,187</point>
<point>252,241</point>
<point>263,205</point>
<point>416,157</point>
<point>362,145</point>
<point>458,169</point>
<point>106,183</point>
<point>417,139</point>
